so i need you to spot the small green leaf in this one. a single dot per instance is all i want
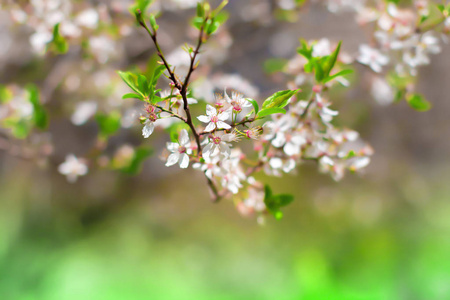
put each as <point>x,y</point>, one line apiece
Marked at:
<point>130,79</point>
<point>21,129</point>
<point>58,42</point>
<point>153,23</point>
<point>418,102</point>
<point>305,50</point>
<point>141,4</point>
<point>222,17</point>
<point>340,73</point>
<point>159,70</point>
<point>212,27</point>
<point>40,118</point>
<point>279,99</point>
<point>143,84</point>
<point>200,10</point>
<point>331,60</point>
<point>219,8</point>
<point>320,74</point>
<point>270,111</point>
<point>5,94</point>
<point>255,104</point>
<point>275,202</point>
<point>197,22</point>
<point>132,96</point>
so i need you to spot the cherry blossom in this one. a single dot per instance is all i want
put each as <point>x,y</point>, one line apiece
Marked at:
<point>372,57</point>
<point>72,168</point>
<point>179,151</point>
<point>214,119</point>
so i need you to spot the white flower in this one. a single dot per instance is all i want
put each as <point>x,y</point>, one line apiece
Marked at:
<point>237,101</point>
<point>83,111</point>
<point>88,18</point>
<point>179,151</point>
<point>209,167</point>
<point>322,48</point>
<point>218,144</point>
<point>359,163</point>
<point>292,142</point>
<point>325,113</point>
<point>233,174</point>
<point>214,119</point>
<point>381,91</point>
<point>148,129</point>
<point>73,168</point>
<point>372,57</point>
<point>276,164</point>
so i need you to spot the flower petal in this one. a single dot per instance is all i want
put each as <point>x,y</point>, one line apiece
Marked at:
<point>207,150</point>
<point>210,111</point>
<point>172,159</point>
<point>148,129</point>
<point>184,161</point>
<point>211,126</point>
<point>183,138</point>
<point>224,115</point>
<point>204,119</point>
<point>223,125</point>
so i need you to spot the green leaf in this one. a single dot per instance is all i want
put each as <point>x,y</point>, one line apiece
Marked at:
<point>21,129</point>
<point>130,79</point>
<point>319,70</point>
<point>279,99</point>
<point>5,94</point>
<point>340,73</point>
<point>140,155</point>
<point>219,8</point>
<point>141,4</point>
<point>275,202</point>
<point>108,124</point>
<point>200,10</point>
<point>418,102</point>
<point>159,70</point>
<point>212,27</point>
<point>132,96</point>
<point>305,50</point>
<point>222,17</point>
<point>274,65</point>
<point>255,104</point>
<point>58,43</point>
<point>40,118</point>
<point>331,60</point>
<point>143,84</point>
<point>153,23</point>
<point>197,22</point>
<point>271,111</point>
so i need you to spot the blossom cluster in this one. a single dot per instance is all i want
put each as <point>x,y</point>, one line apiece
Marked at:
<point>211,132</point>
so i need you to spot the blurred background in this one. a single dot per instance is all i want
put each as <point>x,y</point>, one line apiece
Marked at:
<point>384,234</point>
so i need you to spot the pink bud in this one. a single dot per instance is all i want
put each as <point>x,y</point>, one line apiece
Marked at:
<point>317,89</point>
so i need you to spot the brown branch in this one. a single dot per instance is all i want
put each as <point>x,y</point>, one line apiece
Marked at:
<point>171,112</point>
<point>182,87</point>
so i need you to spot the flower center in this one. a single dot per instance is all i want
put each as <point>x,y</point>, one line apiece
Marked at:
<point>182,149</point>
<point>214,119</point>
<point>237,108</point>
<point>152,117</point>
<point>217,140</point>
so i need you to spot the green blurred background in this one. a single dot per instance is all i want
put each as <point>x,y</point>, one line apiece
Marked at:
<point>383,235</point>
